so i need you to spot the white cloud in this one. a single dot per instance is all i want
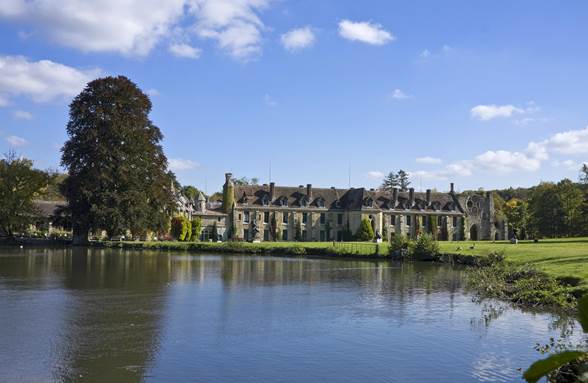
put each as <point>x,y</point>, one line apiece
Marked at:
<point>375,174</point>
<point>570,142</point>
<point>184,51</point>
<point>425,54</point>
<point>233,24</point>
<point>489,112</point>
<point>429,160</point>
<point>131,27</point>
<point>504,161</point>
<point>573,142</point>
<point>178,164</point>
<point>22,115</point>
<point>16,141</point>
<point>41,80</point>
<point>364,32</point>
<point>152,92</point>
<point>3,101</point>
<point>400,95</point>
<point>269,101</point>
<point>297,39</point>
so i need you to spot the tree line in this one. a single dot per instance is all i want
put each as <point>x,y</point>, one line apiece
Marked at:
<point>548,209</point>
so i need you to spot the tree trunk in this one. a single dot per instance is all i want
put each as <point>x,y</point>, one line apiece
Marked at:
<point>80,235</point>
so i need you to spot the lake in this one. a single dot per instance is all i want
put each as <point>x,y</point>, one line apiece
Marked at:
<point>105,315</point>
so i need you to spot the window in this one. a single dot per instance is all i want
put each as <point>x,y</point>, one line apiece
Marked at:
<point>339,219</point>
<point>266,235</point>
<point>322,236</point>
<point>408,220</point>
<point>440,220</point>
<point>339,235</point>
<point>304,217</point>
<point>323,217</point>
<point>285,218</point>
<point>265,216</point>
<point>245,217</point>
<point>320,202</point>
<point>304,235</point>
<point>246,234</point>
<point>285,235</point>
<point>454,221</point>
<point>239,216</point>
<point>392,220</point>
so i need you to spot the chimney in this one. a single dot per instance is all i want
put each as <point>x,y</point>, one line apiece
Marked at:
<point>394,197</point>
<point>451,190</point>
<point>410,197</point>
<point>309,191</point>
<point>228,177</point>
<point>428,197</point>
<point>272,189</point>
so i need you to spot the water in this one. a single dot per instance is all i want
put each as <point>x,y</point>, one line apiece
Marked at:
<point>118,316</point>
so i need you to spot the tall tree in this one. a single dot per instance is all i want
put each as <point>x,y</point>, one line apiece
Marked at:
<point>584,174</point>
<point>191,192</point>
<point>118,178</point>
<point>517,215</point>
<point>546,211</point>
<point>390,182</point>
<point>19,185</point>
<point>571,199</point>
<point>403,180</point>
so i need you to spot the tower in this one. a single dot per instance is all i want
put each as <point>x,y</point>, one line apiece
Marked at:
<point>228,193</point>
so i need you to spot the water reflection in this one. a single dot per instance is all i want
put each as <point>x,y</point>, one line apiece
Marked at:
<point>113,315</point>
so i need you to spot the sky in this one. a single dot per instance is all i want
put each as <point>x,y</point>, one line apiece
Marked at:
<point>330,92</point>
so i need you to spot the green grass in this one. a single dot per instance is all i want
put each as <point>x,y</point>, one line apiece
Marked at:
<point>565,257</point>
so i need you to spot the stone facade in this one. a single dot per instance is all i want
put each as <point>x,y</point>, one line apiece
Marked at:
<point>273,213</point>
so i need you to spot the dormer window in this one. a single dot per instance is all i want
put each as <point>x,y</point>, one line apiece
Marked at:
<point>368,202</point>
<point>283,201</point>
<point>265,200</point>
<point>337,204</point>
<point>320,202</point>
<point>243,198</point>
<point>304,201</point>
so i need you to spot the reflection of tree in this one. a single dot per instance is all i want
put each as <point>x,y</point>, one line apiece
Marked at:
<point>113,324</point>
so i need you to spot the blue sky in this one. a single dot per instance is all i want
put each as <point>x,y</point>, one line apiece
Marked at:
<point>484,94</point>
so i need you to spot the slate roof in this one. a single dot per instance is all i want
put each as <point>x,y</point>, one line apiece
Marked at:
<point>48,209</point>
<point>345,199</point>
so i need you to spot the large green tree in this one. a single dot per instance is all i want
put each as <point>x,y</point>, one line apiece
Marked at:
<point>118,178</point>
<point>20,184</point>
<point>393,180</point>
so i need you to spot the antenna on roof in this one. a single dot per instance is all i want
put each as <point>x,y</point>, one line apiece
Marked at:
<point>349,175</point>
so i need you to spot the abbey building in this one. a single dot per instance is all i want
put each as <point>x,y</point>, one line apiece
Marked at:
<point>305,213</point>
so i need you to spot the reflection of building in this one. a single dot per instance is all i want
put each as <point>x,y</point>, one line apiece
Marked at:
<point>270,212</point>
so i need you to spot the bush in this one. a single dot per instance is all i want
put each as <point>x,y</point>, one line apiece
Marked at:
<point>196,228</point>
<point>180,227</point>
<point>399,245</point>
<point>425,248</point>
<point>365,231</point>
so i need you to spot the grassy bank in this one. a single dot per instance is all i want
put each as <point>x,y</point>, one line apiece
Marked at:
<point>351,249</point>
<point>565,258</point>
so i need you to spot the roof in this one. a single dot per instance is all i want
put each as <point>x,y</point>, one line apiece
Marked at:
<point>48,209</point>
<point>344,199</point>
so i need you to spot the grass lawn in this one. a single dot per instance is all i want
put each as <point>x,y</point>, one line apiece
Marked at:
<point>559,257</point>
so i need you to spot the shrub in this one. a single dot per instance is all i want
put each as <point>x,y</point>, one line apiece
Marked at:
<point>425,248</point>
<point>179,228</point>
<point>399,245</point>
<point>196,228</point>
<point>365,231</point>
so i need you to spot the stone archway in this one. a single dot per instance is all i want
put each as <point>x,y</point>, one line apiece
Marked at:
<point>474,233</point>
